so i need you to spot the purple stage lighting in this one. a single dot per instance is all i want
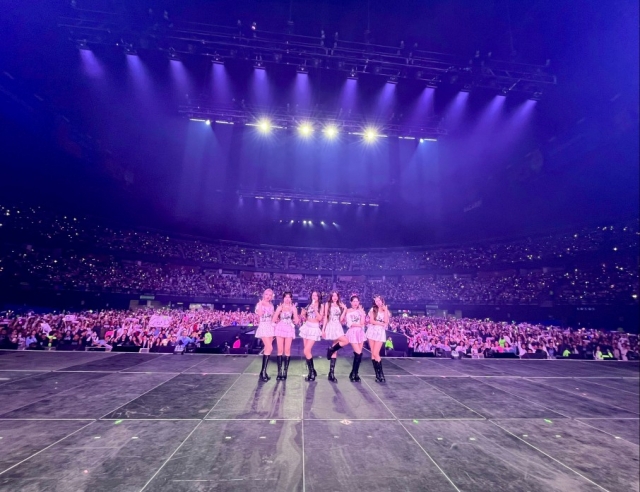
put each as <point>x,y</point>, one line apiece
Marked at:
<point>348,96</point>
<point>90,63</point>
<point>180,76</point>
<point>220,89</point>
<point>260,87</point>
<point>302,91</point>
<point>455,111</point>
<point>423,107</point>
<point>386,99</point>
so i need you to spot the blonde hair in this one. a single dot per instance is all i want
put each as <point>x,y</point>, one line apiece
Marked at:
<point>265,292</point>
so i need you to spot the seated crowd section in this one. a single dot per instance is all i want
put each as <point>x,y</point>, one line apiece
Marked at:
<point>159,329</point>
<point>591,266</point>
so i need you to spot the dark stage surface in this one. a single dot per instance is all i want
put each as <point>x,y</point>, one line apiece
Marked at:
<point>131,422</point>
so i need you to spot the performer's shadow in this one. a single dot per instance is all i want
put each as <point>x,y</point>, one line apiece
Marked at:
<point>267,401</point>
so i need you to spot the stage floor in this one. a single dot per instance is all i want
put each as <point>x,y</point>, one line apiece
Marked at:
<point>131,422</point>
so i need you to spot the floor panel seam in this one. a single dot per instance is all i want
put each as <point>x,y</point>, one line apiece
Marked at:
<point>171,455</point>
<point>529,401</point>
<point>413,438</point>
<point>139,396</point>
<point>47,447</point>
<point>605,432</point>
<point>549,456</point>
<point>594,400</point>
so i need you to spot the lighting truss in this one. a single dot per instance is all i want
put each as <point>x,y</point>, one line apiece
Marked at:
<point>288,117</point>
<point>224,42</point>
<point>285,196</point>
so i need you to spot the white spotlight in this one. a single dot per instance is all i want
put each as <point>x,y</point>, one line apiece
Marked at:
<point>331,131</point>
<point>264,125</point>
<point>207,122</point>
<point>305,129</point>
<point>370,134</point>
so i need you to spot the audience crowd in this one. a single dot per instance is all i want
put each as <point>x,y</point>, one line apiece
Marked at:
<point>29,225</point>
<point>614,282</point>
<point>143,328</point>
<point>449,337</point>
<point>39,250</point>
<point>471,338</point>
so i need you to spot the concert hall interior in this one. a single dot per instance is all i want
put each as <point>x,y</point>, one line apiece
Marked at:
<point>319,245</point>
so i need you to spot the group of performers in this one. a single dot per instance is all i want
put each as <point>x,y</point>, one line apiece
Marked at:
<point>321,321</point>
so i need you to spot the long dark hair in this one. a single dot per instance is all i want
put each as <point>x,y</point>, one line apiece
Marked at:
<point>311,300</point>
<point>330,301</point>
<point>374,308</point>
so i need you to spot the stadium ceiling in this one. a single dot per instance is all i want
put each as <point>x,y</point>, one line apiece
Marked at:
<point>176,38</point>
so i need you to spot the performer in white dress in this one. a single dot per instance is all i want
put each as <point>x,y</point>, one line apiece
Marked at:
<point>285,316</point>
<point>310,331</point>
<point>377,334</point>
<point>332,330</point>
<point>265,331</point>
<point>355,317</point>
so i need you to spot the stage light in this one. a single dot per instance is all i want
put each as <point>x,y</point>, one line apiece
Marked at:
<point>370,134</point>
<point>305,129</point>
<point>304,222</point>
<point>322,222</point>
<point>331,131</point>
<point>264,125</point>
<point>207,122</point>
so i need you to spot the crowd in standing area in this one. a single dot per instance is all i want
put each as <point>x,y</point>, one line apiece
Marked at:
<point>465,337</point>
<point>155,328</point>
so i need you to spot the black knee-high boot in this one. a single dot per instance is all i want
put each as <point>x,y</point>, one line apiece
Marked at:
<point>354,377</point>
<point>375,368</point>
<point>287,358</point>
<point>279,376</point>
<point>379,374</point>
<point>382,379</point>
<point>332,350</point>
<point>312,372</point>
<point>263,372</point>
<point>332,366</point>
